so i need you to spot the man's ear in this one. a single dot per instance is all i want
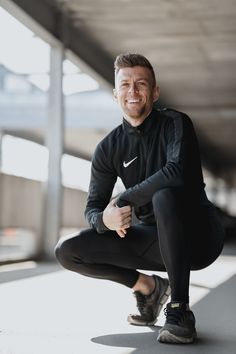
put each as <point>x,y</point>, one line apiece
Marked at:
<point>156,93</point>
<point>115,94</point>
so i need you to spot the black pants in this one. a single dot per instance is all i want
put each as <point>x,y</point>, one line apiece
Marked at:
<point>185,237</point>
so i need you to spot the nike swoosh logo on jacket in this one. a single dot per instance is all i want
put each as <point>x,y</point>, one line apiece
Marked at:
<point>126,164</point>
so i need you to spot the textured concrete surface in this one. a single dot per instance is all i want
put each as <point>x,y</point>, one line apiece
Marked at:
<point>63,313</point>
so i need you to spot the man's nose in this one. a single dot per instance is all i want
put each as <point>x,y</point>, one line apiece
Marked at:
<point>133,88</point>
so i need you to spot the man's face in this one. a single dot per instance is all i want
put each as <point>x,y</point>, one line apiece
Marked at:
<point>135,92</point>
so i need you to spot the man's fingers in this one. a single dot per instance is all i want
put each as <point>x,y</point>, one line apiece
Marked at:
<point>125,209</point>
<point>127,220</point>
<point>113,202</point>
<point>126,215</point>
<point>115,218</point>
<point>125,223</point>
<point>121,232</point>
<point>126,226</point>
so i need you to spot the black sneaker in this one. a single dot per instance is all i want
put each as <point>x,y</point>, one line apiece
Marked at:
<point>179,326</point>
<point>150,306</point>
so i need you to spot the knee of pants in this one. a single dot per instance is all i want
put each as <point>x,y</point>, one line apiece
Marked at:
<point>63,253</point>
<point>166,199</point>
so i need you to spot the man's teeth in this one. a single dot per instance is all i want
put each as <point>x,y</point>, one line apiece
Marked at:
<point>133,101</point>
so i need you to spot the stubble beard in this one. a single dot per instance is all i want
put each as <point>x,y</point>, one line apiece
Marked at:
<point>135,113</point>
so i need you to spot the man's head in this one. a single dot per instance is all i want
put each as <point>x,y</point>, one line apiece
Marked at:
<point>135,87</point>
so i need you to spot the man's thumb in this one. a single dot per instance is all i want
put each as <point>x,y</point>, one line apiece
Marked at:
<point>113,202</point>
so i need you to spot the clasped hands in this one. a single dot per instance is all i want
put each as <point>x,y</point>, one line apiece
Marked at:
<point>117,219</point>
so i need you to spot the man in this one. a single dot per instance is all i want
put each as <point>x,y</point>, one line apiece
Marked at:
<point>155,153</point>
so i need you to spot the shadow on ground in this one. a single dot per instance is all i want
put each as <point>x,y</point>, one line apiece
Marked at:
<point>39,269</point>
<point>216,323</point>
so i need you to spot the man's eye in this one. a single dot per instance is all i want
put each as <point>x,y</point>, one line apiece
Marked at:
<point>142,83</point>
<point>124,84</point>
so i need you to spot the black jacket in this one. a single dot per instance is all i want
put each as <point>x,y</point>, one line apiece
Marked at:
<point>161,152</point>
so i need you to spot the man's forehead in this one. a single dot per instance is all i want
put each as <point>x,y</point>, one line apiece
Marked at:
<point>126,78</point>
<point>138,72</point>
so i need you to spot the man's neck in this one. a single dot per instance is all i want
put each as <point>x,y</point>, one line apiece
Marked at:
<point>135,122</point>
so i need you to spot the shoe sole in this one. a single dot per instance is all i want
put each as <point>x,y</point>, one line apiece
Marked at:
<point>164,298</point>
<point>167,337</point>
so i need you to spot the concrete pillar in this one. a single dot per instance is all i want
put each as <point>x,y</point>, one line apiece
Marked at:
<point>1,206</point>
<point>52,201</point>
<point>1,136</point>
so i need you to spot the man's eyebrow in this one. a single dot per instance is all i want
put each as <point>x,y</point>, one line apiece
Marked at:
<point>142,78</point>
<point>138,79</point>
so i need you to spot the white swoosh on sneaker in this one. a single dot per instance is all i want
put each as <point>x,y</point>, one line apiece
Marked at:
<point>126,164</point>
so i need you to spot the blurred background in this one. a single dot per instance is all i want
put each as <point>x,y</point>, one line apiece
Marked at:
<point>56,80</point>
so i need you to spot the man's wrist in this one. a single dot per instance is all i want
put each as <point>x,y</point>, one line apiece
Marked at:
<point>101,225</point>
<point>103,222</point>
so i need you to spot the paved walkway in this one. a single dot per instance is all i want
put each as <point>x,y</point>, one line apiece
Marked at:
<point>46,310</point>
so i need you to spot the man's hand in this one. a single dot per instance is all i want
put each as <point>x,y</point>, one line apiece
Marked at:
<point>118,219</point>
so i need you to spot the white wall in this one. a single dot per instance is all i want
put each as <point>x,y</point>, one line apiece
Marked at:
<point>21,204</point>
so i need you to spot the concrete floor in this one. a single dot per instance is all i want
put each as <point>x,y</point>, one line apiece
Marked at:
<point>47,310</point>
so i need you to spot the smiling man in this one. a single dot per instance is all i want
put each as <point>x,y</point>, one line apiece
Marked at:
<point>155,153</point>
<point>135,92</point>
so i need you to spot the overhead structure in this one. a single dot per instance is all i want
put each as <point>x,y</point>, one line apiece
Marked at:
<point>191,44</point>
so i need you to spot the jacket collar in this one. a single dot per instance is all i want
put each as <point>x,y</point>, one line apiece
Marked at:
<point>143,128</point>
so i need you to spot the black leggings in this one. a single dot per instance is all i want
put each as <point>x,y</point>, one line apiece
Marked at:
<point>185,237</point>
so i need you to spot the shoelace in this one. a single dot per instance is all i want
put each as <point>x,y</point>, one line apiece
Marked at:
<point>174,315</point>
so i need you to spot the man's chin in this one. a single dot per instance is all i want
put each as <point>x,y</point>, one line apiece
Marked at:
<point>135,115</point>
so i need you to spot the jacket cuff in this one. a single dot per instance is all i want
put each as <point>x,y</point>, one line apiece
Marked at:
<point>101,227</point>
<point>121,203</point>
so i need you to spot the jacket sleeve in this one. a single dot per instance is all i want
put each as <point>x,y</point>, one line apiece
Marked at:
<point>170,175</point>
<point>101,186</point>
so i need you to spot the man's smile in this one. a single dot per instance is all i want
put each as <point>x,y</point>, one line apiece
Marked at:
<point>133,100</point>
